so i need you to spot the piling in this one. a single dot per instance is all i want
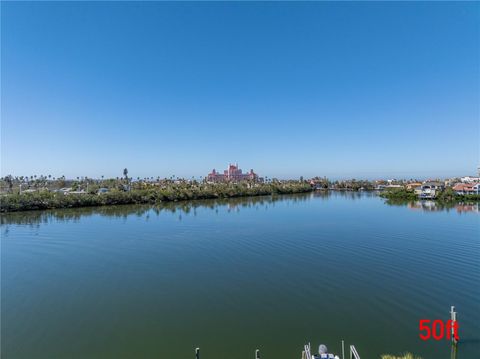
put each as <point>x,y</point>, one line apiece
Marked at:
<point>453,351</point>
<point>453,318</point>
<point>197,353</point>
<point>257,354</point>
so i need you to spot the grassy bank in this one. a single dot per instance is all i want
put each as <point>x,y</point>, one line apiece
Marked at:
<point>399,194</point>
<point>173,192</point>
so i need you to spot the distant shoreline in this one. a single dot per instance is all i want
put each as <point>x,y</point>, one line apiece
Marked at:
<point>445,196</point>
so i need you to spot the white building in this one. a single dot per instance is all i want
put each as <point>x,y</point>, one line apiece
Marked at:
<point>468,179</point>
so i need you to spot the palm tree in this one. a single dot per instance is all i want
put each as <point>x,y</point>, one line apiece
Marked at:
<point>9,181</point>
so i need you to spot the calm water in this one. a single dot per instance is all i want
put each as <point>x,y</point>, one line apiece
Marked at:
<point>230,277</point>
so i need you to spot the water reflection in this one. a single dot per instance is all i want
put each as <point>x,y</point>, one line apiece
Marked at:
<point>435,206</point>
<point>231,205</point>
<point>178,209</point>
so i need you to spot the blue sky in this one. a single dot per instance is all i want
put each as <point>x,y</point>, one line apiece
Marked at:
<point>361,90</point>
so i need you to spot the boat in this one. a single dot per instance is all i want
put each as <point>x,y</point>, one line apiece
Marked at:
<point>323,352</point>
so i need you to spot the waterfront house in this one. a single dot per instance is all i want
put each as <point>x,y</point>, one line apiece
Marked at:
<point>467,188</point>
<point>102,190</point>
<point>431,189</point>
<point>459,188</point>
<point>413,185</point>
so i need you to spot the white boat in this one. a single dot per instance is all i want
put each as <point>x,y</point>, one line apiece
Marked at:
<point>324,354</point>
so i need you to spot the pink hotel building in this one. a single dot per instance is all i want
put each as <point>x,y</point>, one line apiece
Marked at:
<point>232,174</point>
